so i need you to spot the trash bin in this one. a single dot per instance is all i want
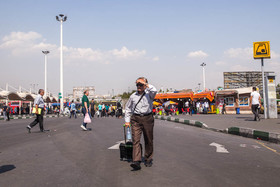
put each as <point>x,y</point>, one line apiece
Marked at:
<point>238,110</point>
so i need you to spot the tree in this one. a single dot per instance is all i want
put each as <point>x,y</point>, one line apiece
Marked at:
<point>126,95</point>
<point>278,91</point>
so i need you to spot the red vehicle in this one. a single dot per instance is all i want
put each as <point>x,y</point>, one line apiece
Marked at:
<point>16,104</point>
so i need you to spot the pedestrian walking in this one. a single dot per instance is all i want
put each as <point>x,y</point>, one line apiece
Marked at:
<point>100,110</point>
<point>138,114</point>
<point>85,108</point>
<point>255,101</point>
<point>5,112</point>
<point>224,108</point>
<point>92,109</point>
<point>8,112</point>
<point>73,110</point>
<point>191,108</point>
<point>119,112</point>
<point>38,108</point>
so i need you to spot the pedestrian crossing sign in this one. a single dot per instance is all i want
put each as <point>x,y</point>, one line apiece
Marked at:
<point>261,49</point>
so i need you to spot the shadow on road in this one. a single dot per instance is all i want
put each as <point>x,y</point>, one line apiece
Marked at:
<point>6,168</point>
<point>245,118</point>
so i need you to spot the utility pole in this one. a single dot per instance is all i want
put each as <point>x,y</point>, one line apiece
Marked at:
<point>61,18</point>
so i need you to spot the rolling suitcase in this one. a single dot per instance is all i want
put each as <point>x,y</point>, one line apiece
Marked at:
<point>126,148</point>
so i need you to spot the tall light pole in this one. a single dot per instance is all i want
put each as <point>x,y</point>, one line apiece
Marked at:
<point>45,53</point>
<point>61,18</point>
<point>203,71</point>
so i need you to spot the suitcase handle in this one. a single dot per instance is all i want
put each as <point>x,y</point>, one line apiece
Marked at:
<point>124,133</point>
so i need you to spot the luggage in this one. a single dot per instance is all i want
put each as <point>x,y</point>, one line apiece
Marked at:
<point>126,148</point>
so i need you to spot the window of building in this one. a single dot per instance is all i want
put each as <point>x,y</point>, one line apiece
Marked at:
<point>244,101</point>
<point>229,101</point>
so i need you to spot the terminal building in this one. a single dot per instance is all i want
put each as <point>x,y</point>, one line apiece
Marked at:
<point>243,79</point>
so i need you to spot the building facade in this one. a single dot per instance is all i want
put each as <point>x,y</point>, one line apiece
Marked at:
<point>243,79</point>
<point>78,92</point>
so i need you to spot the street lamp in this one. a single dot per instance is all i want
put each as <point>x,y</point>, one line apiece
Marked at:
<point>61,18</point>
<point>203,71</point>
<point>199,86</point>
<point>45,53</point>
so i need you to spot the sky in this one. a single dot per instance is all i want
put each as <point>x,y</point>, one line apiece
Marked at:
<point>108,44</point>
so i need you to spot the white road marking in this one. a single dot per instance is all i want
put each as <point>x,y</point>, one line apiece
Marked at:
<point>256,147</point>
<point>117,145</point>
<point>243,145</point>
<point>219,148</point>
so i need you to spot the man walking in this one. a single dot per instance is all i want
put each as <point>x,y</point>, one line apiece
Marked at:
<point>85,108</point>
<point>255,101</point>
<point>5,111</point>
<point>73,110</point>
<point>138,114</point>
<point>92,109</point>
<point>39,106</point>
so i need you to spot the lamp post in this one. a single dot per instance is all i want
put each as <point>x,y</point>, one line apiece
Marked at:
<point>61,18</point>
<point>203,71</point>
<point>45,53</point>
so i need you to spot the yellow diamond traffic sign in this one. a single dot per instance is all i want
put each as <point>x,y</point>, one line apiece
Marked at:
<point>261,49</point>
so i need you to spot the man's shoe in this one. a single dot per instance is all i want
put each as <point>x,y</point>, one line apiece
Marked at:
<point>83,127</point>
<point>136,166</point>
<point>149,163</point>
<point>28,129</point>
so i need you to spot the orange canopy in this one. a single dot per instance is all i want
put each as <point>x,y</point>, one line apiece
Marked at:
<point>174,95</point>
<point>208,95</point>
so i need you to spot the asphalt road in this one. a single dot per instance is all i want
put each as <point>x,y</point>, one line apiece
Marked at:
<point>68,156</point>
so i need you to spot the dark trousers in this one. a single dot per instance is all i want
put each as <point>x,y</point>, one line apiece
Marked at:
<point>255,110</point>
<point>8,116</point>
<point>39,119</point>
<point>73,113</point>
<point>92,113</point>
<point>145,125</point>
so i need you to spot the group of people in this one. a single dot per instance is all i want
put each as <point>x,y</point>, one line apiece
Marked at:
<point>6,110</point>
<point>189,107</point>
<point>138,116</point>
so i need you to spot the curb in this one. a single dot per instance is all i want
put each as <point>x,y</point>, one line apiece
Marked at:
<point>183,121</point>
<point>255,134</point>
<point>240,131</point>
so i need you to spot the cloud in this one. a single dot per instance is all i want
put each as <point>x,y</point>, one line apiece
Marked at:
<point>274,55</point>
<point>240,53</point>
<point>124,53</point>
<point>220,63</point>
<point>239,67</point>
<point>197,54</point>
<point>155,58</point>
<point>29,43</point>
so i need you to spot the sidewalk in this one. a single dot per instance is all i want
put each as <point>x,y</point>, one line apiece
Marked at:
<point>242,125</point>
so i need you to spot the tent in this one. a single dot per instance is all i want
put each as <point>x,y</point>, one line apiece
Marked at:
<point>207,95</point>
<point>174,95</point>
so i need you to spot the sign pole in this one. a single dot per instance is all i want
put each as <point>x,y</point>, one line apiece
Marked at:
<point>264,96</point>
